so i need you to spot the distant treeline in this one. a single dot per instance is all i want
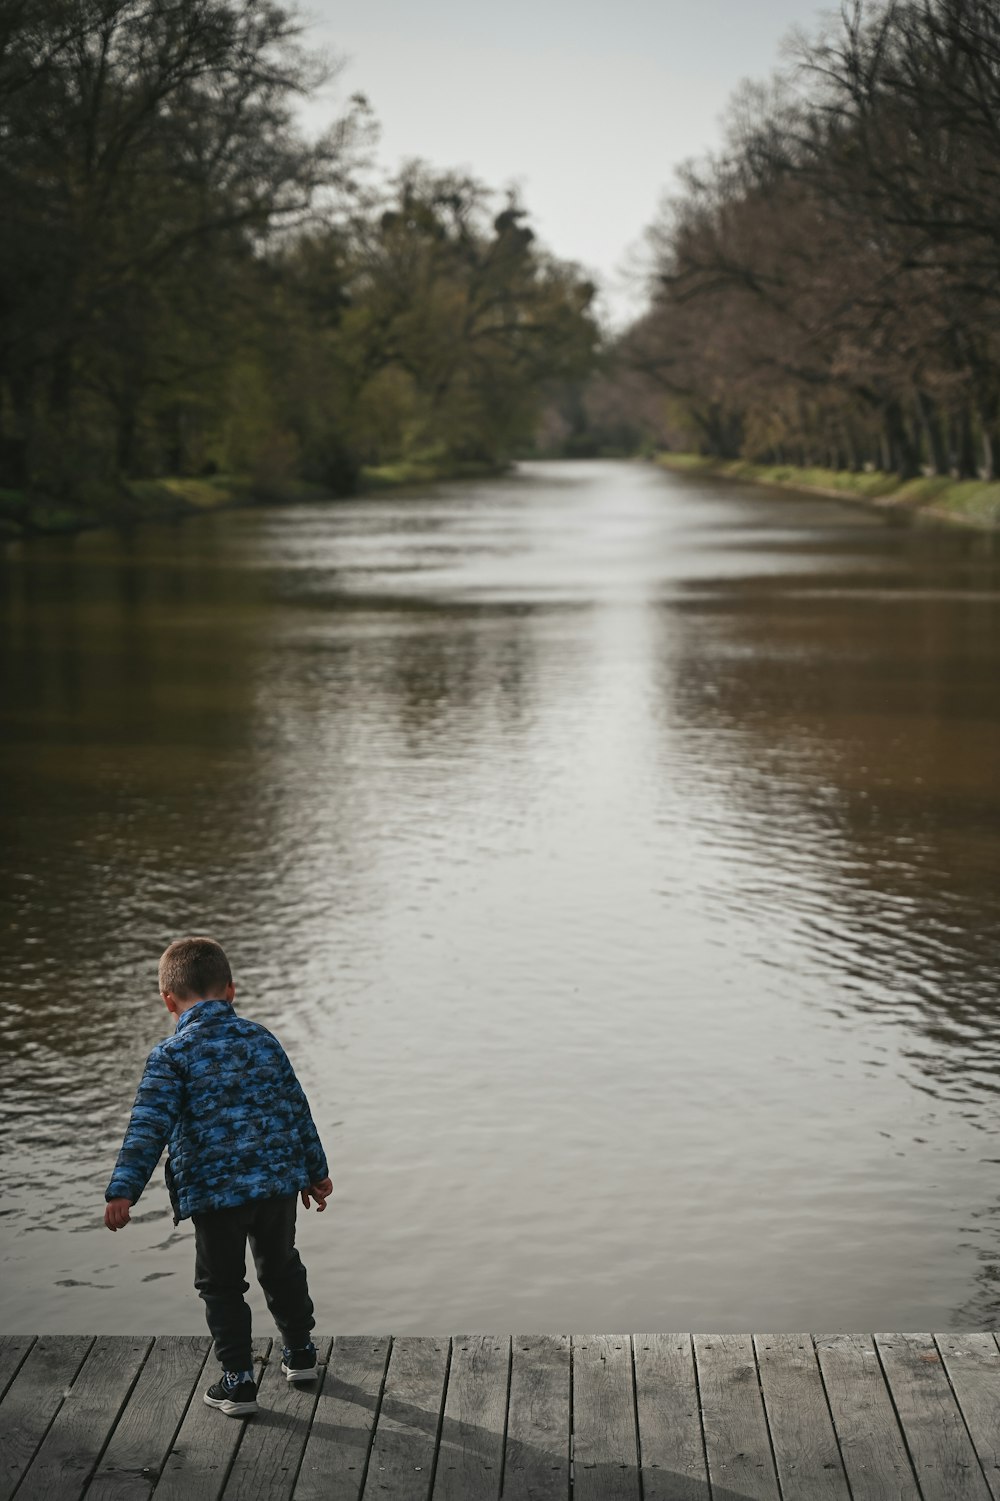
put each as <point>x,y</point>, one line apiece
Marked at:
<point>190,285</point>
<point>827,288</point>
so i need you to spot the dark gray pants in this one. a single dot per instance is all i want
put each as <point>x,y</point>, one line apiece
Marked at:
<point>220,1238</point>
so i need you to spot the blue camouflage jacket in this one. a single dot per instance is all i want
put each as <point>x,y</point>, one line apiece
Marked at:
<point>223,1096</point>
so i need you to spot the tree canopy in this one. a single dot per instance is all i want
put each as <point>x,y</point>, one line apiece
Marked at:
<point>189,283</point>
<point>826,288</point>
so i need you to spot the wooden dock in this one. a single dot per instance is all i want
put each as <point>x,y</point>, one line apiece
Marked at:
<point>647,1417</point>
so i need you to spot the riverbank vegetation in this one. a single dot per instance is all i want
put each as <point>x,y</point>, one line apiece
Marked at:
<point>199,303</point>
<point>972,502</point>
<point>826,289</point>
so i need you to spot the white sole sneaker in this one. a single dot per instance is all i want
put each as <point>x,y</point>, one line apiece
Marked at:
<point>230,1408</point>
<point>291,1374</point>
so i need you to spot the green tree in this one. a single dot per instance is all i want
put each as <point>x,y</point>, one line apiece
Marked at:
<point>145,145</point>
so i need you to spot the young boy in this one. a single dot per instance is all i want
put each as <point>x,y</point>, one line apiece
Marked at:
<point>243,1145</point>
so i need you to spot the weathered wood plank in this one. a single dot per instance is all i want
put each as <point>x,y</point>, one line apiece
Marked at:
<point>71,1448</point>
<point>470,1454</point>
<point>671,1444</point>
<point>605,1445</point>
<point>536,1463</point>
<point>267,1461</point>
<point>198,1463</point>
<point>736,1437</point>
<point>847,1415</point>
<point>945,1461</point>
<point>402,1456</point>
<point>871,1444</point>
<point>336,1452</point>
<point>972,1362</point>
<point>13,1353</point>
<point>141,1441</point>
<point>33,1399</point>
<point>802,1437</point>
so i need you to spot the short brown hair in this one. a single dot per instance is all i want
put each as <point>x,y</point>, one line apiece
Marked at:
<point>194,967</point>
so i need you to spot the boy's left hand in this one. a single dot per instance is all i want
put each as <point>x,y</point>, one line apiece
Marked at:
<point>318,1191</point>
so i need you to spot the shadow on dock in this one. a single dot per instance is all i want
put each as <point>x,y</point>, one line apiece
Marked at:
<point>652,1417</point>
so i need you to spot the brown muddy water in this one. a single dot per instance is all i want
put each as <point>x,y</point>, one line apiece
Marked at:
<point>616,854</point>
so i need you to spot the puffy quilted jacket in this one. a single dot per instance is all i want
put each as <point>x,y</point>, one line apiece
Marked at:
<point>223,1096</point>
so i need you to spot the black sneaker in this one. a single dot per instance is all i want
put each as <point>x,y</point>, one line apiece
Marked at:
<point>299,1365</point>
<point>237,1399</point>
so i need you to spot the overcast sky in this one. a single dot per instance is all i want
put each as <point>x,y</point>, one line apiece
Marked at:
<point>587,105</point>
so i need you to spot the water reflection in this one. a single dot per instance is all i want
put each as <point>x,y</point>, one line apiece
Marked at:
<point>617,856</point>
<point>857,733</point>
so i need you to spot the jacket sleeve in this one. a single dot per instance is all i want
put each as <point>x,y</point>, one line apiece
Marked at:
<point>316,1163</point>
<point>154,1115</point>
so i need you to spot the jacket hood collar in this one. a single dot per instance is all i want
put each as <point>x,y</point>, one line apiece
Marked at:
<point>200,1010</point>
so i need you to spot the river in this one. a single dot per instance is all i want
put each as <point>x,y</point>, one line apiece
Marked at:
<point>617,855</point>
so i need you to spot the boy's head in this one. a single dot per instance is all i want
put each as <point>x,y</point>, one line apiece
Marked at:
<point>194,969</point>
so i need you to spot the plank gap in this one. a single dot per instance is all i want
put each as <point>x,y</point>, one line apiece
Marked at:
<point>440,1422</point>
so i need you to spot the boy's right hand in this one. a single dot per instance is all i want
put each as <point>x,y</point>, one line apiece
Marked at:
<point>116,1215</point>
<point>318,1191</point>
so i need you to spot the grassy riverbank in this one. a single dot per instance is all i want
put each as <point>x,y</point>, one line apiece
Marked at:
<point>23,514</point>
<point>964,502</point>
<point>410,472</point>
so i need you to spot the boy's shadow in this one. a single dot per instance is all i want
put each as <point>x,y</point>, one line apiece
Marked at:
<point>404,1429</point>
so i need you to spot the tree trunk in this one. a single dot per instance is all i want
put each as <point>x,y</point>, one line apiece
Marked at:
<point>15,416</point>
<point>851,450</point>
<point>61,392</point>
<point>965,456</point>
<point>930,420</point>
<point>125,438</point>
<point>988,409</point>
<point>902,451</point>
